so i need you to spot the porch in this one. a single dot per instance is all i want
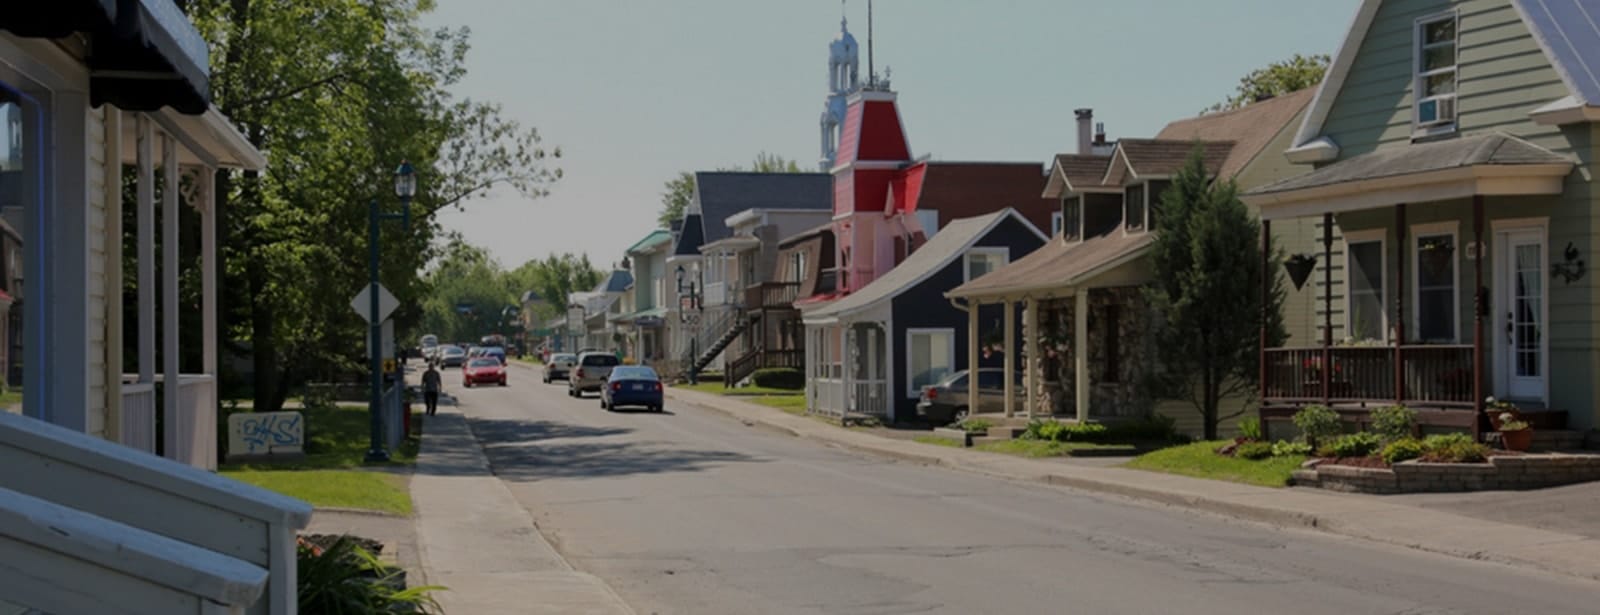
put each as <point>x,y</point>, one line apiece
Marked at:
<point>847,373</point>
<point>1440,244</point>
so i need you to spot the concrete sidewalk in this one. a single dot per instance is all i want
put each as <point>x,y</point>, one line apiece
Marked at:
<point>1364,518</point>
<point>476,539</point>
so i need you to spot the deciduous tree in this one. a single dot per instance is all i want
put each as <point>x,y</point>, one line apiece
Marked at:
<point>1276,79</point>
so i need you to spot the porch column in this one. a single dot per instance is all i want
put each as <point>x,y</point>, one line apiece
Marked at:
<point>1267,275</point>
<point>972,356</point>
<point>113,268</point>
<point>872,356</point>
<point>1010,345</point>
<point>848,363</point>
<point>171,384</point>
<point>1327,308</point>
<point>1031,375</point>
<point>57,373</point>
<point>146,249</point>
<point>208,270</point>
<point>1400,303</point>
<point>1080,353</point>
<point>1479,306</point>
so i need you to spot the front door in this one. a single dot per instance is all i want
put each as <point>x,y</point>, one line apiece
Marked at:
<point>1520,345</point>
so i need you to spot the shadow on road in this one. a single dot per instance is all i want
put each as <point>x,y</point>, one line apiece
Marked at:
<point>526,451</point>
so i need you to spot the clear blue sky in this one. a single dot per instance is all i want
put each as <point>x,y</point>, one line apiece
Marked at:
<point>636,90</point>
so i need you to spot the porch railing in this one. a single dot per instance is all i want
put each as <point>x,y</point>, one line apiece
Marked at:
<point>716,294</point>
<point>827,395</point>
<point>771,295</point>
<point>192,438</point>
<point>869,397</point>
<point>1433,374</point>
<point>137,427</point>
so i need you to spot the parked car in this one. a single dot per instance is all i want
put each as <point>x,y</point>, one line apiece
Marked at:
<point>559,366</point>
<point>590,372</point>
<point>452,356</point>
<point>630,385</point>
<point>430,346</point>
<point>494,352</point>
<point>483,370</point>
<point>946,402</point>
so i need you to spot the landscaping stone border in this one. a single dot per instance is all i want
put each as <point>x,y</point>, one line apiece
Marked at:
<point>1505,472</point>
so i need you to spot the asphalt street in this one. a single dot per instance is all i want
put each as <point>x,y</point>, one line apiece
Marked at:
<point>691,512</point>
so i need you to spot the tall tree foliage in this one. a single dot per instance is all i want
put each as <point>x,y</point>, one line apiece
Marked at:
<point>1207,261</point>
<point>679,191</point>
<point>338,92</point>
<point>1276,79</point>
<point>468,290</point>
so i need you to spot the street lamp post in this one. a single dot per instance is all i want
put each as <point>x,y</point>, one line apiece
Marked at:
<point>405,187</point>
<point>689,308</point>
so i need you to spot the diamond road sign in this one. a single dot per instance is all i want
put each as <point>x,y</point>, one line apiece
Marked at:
<point>363,303</point>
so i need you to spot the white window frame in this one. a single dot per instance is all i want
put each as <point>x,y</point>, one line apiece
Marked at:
<point>1082,200</point>
<point>950,345</point>
<point>966,260</point>
<point>1381,237</point>
<point>1419,77</point>
<point>1418,231</point>
<point>1056,222</point>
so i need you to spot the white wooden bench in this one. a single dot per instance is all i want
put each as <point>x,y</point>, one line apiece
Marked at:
<point>59,560</point>
<point>160,496</point>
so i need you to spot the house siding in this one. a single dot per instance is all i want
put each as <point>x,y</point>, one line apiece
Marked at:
<point>1503,75</point>
<point>924,306</point>
<point>95,132</point>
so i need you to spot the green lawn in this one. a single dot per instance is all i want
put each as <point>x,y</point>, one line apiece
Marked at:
<point>1036,449</point>
<point>333,472</point>
<point>716,388</point>
<point>793,403</point>
<point>12,397</point>
<point>938,441</point>
<point>1200,460</point>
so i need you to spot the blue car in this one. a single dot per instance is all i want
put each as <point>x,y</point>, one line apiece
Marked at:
<point>631,385</point>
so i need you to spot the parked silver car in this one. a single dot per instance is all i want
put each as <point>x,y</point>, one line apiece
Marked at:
<point>946,402</point>
<point>591,372</point>
<point>559,366</point>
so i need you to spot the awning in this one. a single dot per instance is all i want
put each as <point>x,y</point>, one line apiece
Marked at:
<point>58,18</point>
<point>153,58</point>
<point>1493,164</point>
<point>654,317</point>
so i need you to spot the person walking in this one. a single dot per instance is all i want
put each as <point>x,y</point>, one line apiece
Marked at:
<point>430,389</point>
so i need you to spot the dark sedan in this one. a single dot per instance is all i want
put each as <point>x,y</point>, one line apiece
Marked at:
<point>631,385</point>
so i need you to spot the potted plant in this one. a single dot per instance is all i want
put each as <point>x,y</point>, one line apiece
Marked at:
<point>1299,267</point>
<point>1516,434</point>
<point>1434,255</point>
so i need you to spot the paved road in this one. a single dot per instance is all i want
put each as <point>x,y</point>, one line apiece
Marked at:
<point>691,512</point>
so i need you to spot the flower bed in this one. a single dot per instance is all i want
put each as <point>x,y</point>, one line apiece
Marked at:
<point>1500,472</point>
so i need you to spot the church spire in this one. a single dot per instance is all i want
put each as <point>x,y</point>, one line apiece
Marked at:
<point>844,79</point>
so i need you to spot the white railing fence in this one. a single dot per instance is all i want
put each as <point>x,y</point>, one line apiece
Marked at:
<point>191,437</point>
<point>137,427</point>
<point>869,397</point>
<point>716,293</point>
<point>828,397</point>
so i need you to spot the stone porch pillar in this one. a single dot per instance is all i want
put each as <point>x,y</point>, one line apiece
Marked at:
<point>1080,352</point>
<point>1031,375</point>
<point>1010,345</point>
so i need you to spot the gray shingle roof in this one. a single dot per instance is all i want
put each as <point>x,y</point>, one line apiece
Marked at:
<point>1484,149</point>
<point>1059,264</point>
<point>1569,33</point>
<point>722,194</point>
<point>947,245</point>
<point>615,282</point>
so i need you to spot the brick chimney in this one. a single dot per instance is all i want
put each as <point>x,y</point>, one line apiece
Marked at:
<point>1085,127</point>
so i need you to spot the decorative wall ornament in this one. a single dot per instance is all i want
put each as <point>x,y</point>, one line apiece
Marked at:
<point>1300,267</point>
<point>1572,270</point>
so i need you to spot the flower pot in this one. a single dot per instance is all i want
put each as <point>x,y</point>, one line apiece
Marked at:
<point>1435,259</point>
<point>1518,440</point>
<point>1299,268</point>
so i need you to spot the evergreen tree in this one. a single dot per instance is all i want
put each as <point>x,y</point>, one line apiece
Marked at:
<point>1207,262</point>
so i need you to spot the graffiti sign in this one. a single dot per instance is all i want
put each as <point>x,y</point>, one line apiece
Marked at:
<point>266,433</point>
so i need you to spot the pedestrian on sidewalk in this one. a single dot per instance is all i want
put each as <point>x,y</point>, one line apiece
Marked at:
<point>430,390</point>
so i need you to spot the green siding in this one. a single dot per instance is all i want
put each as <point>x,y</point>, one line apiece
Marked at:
<point>1502,76</point>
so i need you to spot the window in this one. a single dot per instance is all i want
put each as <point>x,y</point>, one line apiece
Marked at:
<point>799,267</point>
<point>1113,329</point>
<point>1133,207</point>
<point>1071,216</point>
<point>1435,300</point>
<point>1055,223</point>
<point>930,356</point>
<point>1364,309</point>
<point>981,261</point>
<point>1157,188</point>
<point>1434,84</point>
<point>930,222</point>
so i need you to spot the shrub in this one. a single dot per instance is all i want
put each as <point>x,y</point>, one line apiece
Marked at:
<point>1317,423</point>
<point>1253,450</point>
<point>1394,422</point>
<point>1053,431</point>
<point>1356,445</point>
<point>1250,428</point>
<point>1284,448</point>
<point>974,425</point>
<point>779,378</point>
<point>344,577</point>
<point>1402,450</point>
<point>1453,448</point>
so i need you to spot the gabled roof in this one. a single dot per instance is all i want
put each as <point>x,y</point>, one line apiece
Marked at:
<point>1251,128</point>
<point>1163,158</point>
<point>719,195</point>
<point>693,236</point>
<point>615,282</point>
<point>809,233</point>
<point>650,242</point>
<point>1059,265</point>
<point>946,246</point>
<point>906,189</point>
<point>1075,172</point>
<point>1567,31</point>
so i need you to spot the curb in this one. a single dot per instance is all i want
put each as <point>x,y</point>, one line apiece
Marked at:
<point>359,511</point>
<point>1236,510</point>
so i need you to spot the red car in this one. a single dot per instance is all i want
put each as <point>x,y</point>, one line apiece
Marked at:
<point>483,370</point>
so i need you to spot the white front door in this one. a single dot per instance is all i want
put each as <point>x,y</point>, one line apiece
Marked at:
<point>1520,300</point>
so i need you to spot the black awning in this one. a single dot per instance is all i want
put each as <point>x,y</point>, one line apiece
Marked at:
<point>58,18</point>
<point>152,58</point>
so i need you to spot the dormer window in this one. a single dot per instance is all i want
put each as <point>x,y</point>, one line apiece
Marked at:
<point>1071,215</point>
<point>1153,211</point>
<point>1133,207</point>
<point>1434,84</point>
